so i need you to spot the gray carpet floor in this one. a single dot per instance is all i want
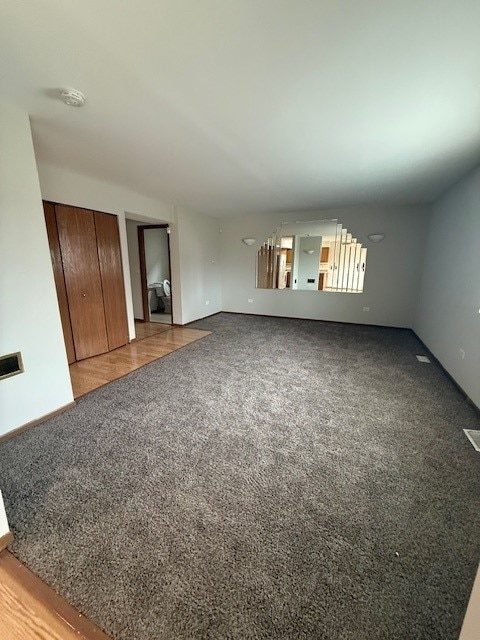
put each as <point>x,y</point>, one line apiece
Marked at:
<point>278,479</point>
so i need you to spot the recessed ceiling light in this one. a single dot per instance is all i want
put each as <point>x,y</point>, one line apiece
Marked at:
<point>73,97</point>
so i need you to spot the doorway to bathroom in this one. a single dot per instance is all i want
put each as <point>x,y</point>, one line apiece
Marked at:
<point>155,272</point>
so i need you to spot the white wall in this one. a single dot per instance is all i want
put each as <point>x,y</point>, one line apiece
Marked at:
<point>391,281</point>
<point>472,616</point>
<point>134,265</point>
<point>4,528</point>
<point>61,185</point>
<point>156,261</point>
<point>156,255</point>
<point>308,264</point>
<point>200,266</point>
<point>448,316</point>
<point>26,274</point>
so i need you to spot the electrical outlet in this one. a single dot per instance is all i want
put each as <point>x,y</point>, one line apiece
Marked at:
<point>207,301</point>
<point>366,308</point>
<point>462,354</point>
<point>250,300</point>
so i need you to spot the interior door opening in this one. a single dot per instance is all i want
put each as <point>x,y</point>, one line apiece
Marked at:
<point>155,273</point>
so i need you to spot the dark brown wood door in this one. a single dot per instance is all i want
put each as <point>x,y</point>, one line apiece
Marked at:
<point>56,257</point>
<point>111,273</point>
<point>78,244</point>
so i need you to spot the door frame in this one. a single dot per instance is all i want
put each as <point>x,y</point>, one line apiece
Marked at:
<point>143,266</point>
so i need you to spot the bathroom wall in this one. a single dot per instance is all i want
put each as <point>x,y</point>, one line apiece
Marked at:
<point>156,255</point>
<point>156,260</point>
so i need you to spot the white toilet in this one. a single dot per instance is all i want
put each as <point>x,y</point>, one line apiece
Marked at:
<point>163,292</point>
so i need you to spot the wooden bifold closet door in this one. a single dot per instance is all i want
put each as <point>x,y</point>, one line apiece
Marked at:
<point>111,273</point>
<point>78,244</point>
<point>89,279</point>
<point>56,258</point>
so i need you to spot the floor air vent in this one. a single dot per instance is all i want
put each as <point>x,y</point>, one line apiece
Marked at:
<point>422,358</point>
<point>10,365</point>
<point>474,437</point>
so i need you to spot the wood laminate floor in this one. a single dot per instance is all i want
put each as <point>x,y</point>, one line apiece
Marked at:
<point>30,609</point>
<point>147,329</point>
<point>153,341</point>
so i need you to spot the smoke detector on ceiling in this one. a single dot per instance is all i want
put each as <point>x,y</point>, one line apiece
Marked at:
<point>73,97</point>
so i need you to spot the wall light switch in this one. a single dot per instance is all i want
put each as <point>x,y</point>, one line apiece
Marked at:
<point>250,300</point>
<point>366,308</point>
<point>207,301</point>
<point>462,354</point>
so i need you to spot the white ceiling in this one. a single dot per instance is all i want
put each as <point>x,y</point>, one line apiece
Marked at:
<point>230,106</point>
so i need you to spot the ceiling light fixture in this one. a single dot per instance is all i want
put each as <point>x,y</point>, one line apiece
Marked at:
<point>309,251</point>
<point>73,97</point>
<point>376,237</point>
<point>249,241</point>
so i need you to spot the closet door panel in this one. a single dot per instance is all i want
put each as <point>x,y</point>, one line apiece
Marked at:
<point>56,257</point>
<point>78,243</point>
<point>111,272</point>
